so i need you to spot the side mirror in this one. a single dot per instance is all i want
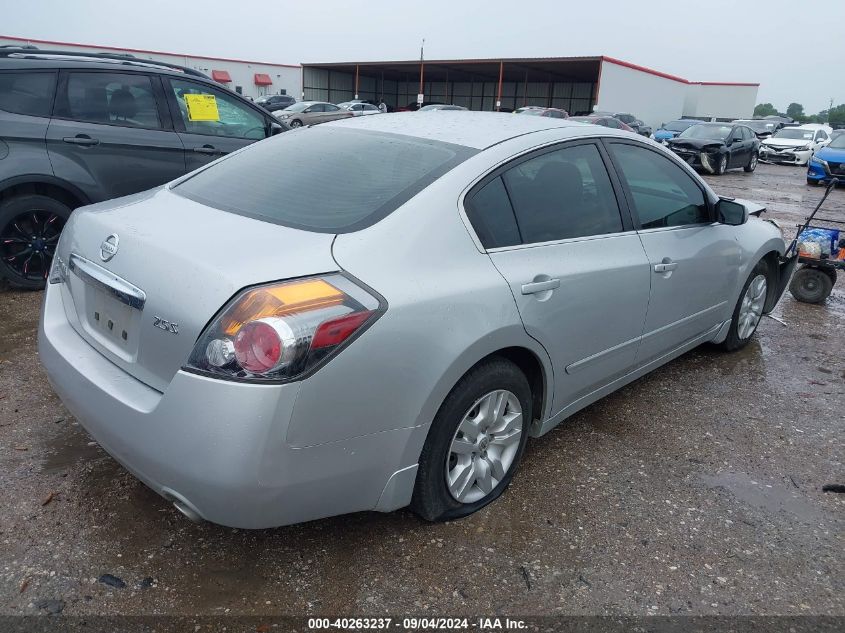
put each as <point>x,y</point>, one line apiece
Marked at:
<point>731,213</point>
<point>277,128</point>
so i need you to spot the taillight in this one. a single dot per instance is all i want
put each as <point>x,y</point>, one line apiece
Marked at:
<point>281,331</point>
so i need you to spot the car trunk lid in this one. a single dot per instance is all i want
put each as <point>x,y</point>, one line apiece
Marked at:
<point>143,296</point>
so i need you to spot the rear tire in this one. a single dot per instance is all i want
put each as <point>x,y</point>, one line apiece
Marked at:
<point>749,309</point>
<point>459,438</point>
<point>752,164</point>
<point>810,285</point>
<point>30,226</point>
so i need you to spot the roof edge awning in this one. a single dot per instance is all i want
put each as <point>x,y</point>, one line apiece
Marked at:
<point>263,79</point>
<point>221,76</point>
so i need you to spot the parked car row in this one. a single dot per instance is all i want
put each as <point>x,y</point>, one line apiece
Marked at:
<point>717,147</point>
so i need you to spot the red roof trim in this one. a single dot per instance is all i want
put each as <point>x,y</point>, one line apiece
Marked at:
<point>643,69</point>
<point>263,79</point>
<point>221,76</point>
<point>651,71</point>
<point>722,83</point>
<point>141,50</point>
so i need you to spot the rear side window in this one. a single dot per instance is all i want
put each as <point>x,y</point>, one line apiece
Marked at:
<point>563,194</point>
<point>27,93</point>
<point>326,179</point>
<point>490,212</point>
<point>663,193</point>
<point>112,98</point>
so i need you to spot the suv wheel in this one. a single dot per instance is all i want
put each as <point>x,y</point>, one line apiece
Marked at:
<point>30,226</point>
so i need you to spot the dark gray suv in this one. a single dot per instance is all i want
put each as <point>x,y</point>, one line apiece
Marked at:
<point>81,128</point>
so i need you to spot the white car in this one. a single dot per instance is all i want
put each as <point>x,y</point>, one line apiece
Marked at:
<point>359,108</point>
<point>795,145</point>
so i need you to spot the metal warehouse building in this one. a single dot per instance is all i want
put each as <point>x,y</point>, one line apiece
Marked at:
<point>249,78</point>
<point>576,84</point>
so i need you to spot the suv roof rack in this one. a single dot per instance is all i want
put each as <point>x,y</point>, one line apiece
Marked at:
<point>26,52</point>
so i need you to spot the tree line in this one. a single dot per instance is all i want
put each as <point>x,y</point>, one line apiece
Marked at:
<point>835,117</point>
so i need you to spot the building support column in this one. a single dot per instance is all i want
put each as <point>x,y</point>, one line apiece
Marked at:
<point>356,81</point>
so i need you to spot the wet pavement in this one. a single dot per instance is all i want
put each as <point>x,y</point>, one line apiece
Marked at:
<point>695,490</point>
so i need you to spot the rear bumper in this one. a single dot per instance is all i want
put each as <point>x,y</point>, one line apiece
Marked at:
<point>216,446</point>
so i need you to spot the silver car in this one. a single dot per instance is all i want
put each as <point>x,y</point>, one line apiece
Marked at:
<point>379,313</point>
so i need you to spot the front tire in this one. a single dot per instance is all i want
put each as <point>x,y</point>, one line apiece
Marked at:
<point>722,165</point>
<point>30,226</point>
<point>475,442</point>
<point>749,309</point>
<point>811,285</point>
<point>296,123</point>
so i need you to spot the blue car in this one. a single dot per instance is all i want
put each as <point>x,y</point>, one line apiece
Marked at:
<point>672,129</point>
<point>828,162</point>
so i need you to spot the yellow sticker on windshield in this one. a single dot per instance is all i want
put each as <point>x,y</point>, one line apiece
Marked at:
<point>201,107</point>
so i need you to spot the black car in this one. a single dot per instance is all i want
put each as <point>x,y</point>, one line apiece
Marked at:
<point>78,128</point>
<point>271,103</point>
<point>633,122</point>
<point>763,128</point>
<point>717,147</point>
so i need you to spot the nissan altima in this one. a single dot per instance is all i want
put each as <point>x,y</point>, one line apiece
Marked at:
<point>379,313</point>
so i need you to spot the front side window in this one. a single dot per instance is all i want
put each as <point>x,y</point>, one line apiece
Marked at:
<point>27,93</point>
<point>563,194</point>
<point>205,110</point>
<point>113,98</point>
<point>662,193</point>
<point>821,136</point>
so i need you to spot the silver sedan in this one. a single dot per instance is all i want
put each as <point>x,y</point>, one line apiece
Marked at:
<point>379,313</point>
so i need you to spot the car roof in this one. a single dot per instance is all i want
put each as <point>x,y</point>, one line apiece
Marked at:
<point>478,130</point>
<point>54,61</point>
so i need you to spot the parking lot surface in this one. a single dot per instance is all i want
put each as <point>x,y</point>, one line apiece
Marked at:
<point>698,489</point>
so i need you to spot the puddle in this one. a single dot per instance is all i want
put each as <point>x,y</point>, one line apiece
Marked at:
<point>771,498</point>
<point>70,446</point>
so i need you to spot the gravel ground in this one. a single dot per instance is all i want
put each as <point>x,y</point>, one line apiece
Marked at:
<point>695,490</point>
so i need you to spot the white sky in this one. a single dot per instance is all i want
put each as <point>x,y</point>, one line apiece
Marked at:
<point>795,55</point>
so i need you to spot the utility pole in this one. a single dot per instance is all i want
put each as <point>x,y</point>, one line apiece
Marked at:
<point>420,94</point>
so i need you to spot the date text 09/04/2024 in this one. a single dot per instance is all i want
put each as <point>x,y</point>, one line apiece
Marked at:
<point>413,624</point>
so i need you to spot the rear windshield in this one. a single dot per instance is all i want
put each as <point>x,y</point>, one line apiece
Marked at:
<point>678,126</point>
<point>325,179</point>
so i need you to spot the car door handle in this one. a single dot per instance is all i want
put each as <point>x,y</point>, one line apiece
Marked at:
<point>540,286</point>
<point>665,267</point>
<point>207,149</point>
<point>81,139</point>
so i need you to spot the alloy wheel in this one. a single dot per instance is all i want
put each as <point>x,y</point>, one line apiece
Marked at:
<point>751,308</point>
<point>28,243</point>
<point>484,446</point>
